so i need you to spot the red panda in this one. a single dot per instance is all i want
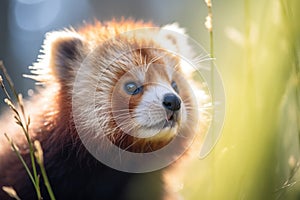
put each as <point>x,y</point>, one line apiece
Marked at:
<point>105,81</point>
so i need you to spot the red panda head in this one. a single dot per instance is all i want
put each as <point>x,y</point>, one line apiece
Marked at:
<point>129,90</point>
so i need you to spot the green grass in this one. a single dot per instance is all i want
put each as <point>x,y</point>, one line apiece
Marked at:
<point>257,155</point>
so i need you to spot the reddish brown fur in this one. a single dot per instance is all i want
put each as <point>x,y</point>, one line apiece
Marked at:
<point>72,171</point>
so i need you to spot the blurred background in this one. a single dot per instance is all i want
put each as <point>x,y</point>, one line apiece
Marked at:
<point>257,50</point>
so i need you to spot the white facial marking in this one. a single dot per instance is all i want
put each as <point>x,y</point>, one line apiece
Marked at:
<point>150,113</point>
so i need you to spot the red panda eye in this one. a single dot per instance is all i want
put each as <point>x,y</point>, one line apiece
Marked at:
<point>132,88</point>
<point>174,86</point>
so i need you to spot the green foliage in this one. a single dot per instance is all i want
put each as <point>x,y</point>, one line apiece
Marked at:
<point>257,156</point>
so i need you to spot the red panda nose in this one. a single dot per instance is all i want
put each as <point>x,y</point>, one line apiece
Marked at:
<point>171,102</point>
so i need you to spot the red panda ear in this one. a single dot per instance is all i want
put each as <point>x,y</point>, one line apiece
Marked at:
<point>66,52</point>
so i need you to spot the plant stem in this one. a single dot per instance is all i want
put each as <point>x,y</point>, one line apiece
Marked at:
<point>47,183</point>
<point>12,144</point>
<point>209,26</point>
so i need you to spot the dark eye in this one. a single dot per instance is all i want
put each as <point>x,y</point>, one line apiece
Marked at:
<point>132,88</point>
<point>174,86</point>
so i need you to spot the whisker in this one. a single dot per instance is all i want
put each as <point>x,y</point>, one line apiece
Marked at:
<point>179,134</point>
<point>176,67</point>
<point>202,58</point>
<point>154,59</point>
<point>188,98</point>
<point>115,111</point>
<point>124,150</point>
<point>125,124</point>
<point>199,108</point>
<point>141,59</point>
<point>149,146</point>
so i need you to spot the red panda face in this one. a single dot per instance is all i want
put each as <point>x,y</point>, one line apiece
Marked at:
<point>146,100</point>
<point>151,100</point>
<point>142,99</point>
<point>131,97</point>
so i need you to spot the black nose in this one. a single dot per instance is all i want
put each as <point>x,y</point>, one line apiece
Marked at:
<point>171,102</point>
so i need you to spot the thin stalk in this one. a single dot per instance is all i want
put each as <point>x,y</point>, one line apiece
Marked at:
<point>10,83</point>
<point>15,149</point>
<point>212,67</point>
<point>47,183</point>
<point>39,155</point>
<point>209,26</point>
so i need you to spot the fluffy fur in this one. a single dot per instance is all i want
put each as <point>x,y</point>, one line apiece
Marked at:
<point>73,172</point>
